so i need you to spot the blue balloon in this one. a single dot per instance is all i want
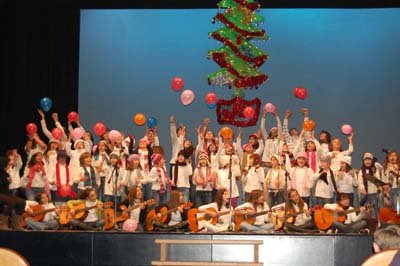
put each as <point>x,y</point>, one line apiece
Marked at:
<point>151,122</point>
<point>212,106</point>
<point>46,103</point>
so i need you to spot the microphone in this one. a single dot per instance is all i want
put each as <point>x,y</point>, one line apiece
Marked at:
<point>385,151</point>
<point>230,167</point>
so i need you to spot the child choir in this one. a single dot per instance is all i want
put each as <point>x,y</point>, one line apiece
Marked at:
<point>226,180</point>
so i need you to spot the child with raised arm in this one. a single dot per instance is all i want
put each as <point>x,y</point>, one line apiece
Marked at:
<point>253,176</point>
<point>13,167</point>
<point>346,179</point>
<point>271,139</point>
<point>337,152</point>
<point>178,135</point>
<point>274,182</point>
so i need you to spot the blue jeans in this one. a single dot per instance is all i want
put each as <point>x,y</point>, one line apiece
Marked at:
<point>323,201</point>
<point>160,199</point>
<point>185,192</point>
<point>40,226</point>
<point>372,199</point>
<point>395,197</point>
<point>109,198</point>
<point>33,192</point>
<point>262,228</point>
<point>203,197</point>
<point>350,228</point>
<point>147,193</point>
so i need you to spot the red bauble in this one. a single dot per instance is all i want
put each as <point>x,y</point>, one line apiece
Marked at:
<point>300,93</point>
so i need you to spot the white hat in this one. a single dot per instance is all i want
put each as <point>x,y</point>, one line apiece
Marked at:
<point>346,159</point>
<point>368,155</point>
<point>277,157</point>
<point>77,141</point>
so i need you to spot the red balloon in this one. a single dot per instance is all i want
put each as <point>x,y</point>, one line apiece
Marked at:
<point>73,116</point>
<point>248,112</point>
<point>300,92</point>
<point>99,129</point>
<point>211,98</point>
<point>31,129</point>
<point>57,133</point>
<point>177,83</point>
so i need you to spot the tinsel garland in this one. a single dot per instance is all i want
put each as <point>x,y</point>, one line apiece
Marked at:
<point>231,111</point>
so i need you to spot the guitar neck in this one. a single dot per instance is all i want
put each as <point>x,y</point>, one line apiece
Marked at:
<point>43,211</point>
<point>138,205</point>
<point>259,213</point>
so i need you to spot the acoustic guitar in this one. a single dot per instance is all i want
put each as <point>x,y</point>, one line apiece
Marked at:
<point>153,216</point>
<point>195,216</point>
<point>80,212</point>
<point>109,215</point>
<point>324,218</point>
<point>38,213</point>
<point>278,217</point>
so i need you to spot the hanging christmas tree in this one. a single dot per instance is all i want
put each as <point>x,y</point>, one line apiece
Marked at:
<point>239,59</point>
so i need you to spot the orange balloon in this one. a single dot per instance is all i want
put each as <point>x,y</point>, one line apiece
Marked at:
<point>309,125</point>
<point>226,133</point>
<point>139,119</point>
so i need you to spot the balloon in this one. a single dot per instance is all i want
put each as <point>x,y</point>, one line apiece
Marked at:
<point>99,129</point>
<point>139,119</point>
<point>177,83</point>
<point>114,136</point>
<point>300,93</point>
<point>129,225</point>
<point>212,106</point>
<point>309,125</point>
<point>46,103</point>
<point>187,97</point>
<point>78,132</point>
<point>211,98</point>
<point>151,122</point>
<point>73,116</point>
<point>226,133</point>
<point>31,129</point>
<point>64,191</point>
<point>248,112</point>
<point>57,133</point>
<point>347,129</point>
<point>269,108</point>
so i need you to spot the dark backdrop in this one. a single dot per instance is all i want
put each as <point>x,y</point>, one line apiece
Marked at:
<point>39,52</point>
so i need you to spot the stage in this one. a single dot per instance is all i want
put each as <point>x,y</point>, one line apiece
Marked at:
<point>119,248</point>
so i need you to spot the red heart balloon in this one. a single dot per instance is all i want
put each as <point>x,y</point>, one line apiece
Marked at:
<point>300,92</point>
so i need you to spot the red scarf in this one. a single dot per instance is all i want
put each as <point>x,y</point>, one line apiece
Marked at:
<point>38,167</point>
<point>71,193</point>
<point>160,172</point>
<point>312,160</point>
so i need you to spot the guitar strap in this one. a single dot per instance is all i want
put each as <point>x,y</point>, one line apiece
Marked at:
<point>333,181</point>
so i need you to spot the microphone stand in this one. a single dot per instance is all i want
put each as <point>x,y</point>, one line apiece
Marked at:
<point>115,197</point>
<point>230,227</point>
<point>285,195</point>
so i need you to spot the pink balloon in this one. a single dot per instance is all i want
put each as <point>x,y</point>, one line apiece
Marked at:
<point>177,83</point>
<point>211,98</point>
<point>129,225</point>
<point>78,132</point>
<point>269,108</point>
<point>248,112</point>
<point>187,97</point>
<point>347,129</point>
<point>114,136</point>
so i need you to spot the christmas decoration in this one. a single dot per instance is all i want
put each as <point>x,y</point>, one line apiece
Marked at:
<point>232,111</point>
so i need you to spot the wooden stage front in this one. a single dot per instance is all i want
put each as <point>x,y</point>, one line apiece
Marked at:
<point>72,248</point>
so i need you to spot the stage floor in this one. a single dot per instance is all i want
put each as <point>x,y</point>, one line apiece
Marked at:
<point>72,248</point>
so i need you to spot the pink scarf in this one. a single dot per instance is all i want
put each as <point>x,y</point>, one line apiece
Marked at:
<point>160,172</point>
<point>312,160</point>
<point>205,179</point>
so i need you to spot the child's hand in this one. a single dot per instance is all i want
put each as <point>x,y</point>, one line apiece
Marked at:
<point>288,114</point>
<point>41,113</point>
<point>305,112</point>
<point>55,117</point>
<point>172,119</point>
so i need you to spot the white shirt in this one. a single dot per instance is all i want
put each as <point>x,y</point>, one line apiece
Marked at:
<point>350,217</point>
<point>301,180</point>
<point>52,174</point>
<point>372,189</point>
<point>302,218</point>
<point>15,177</point>
<point>176,218</point>
<point>92,214</point>
<point>111,178</point>
<point>184,172</point>
<point>223,219</point>
<point>196,175</point>
<point>260,219</point>
<point>224,182</point>
<point>322,189</point>
<point>254,179</point>
<point>49,215</point>
<point>337,157</point>
<point>346,183</point>
<point>177,143</point>
<point>153,178</point>
<point>275,175</point>
<point>132,176</point>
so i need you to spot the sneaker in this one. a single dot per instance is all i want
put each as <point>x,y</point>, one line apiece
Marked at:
<point>330,231</point>
<point>364,231</point>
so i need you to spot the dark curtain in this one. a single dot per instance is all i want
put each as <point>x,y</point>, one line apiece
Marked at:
<point>39,52</point>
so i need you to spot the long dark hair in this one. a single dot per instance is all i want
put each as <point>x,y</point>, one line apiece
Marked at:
<point>34,160</point>
<point>254,196</point>
<point>174,199</point>
<point>328,137</point>
<point>132,195</point>
<point>220,200</point>
<point>290,206</point>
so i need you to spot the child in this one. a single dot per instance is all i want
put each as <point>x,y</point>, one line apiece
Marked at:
<point>159,179</point>
<point>368,189</point>
<point>135,197</point>
<point>353,223</point>
<point>100,160</point>
<point>178,218</point>
<point>87,176</point>
<point>178,135</point>
<point>226,178</point>
<point>255,204</point>
<point>92,221</point>
<point>337,153</point>
<point>135,175</point>
<point>203,178</point>
<point>253,176</point>
<point>325,183</point>
<point>271,140</point>
<point>14,165</point>
<point>346,180</point>
<point>301,176</point>
<point>324,140</point>
<point>221,204</point>
<point>391,168</point>
<point>181,171</point>
<point>74,155</point>
<point>114,175</point>
<point>61,179</point>
<point>145,152</point>
<point>274,183</point>
<point>50,220</point>
<point>35,177</point>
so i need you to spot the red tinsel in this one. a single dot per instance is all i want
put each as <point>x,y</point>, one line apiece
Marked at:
<point>231,111</point>
<point>240,81</point>
<point>221,17</point>
<point>252,6</point>
<point>258,61</point>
